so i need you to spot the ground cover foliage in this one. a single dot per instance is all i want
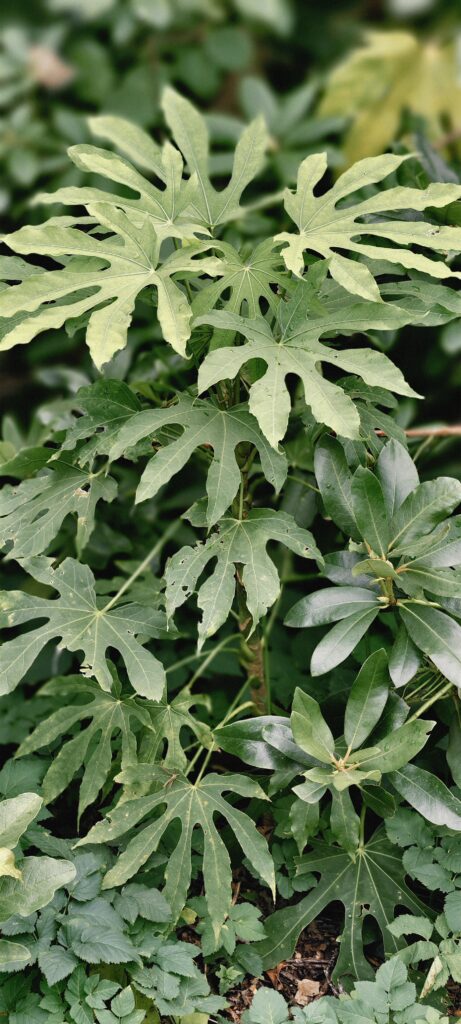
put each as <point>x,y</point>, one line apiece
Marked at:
<point>230,513</point>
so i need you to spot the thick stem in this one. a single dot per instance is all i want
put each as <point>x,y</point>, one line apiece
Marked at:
<point>443,692</point>
<point>252,656</point>
<point>454,431</point>
<point>253,661</point>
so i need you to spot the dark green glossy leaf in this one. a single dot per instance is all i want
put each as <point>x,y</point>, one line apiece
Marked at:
<point>341,640</point>
<point>438,635</point>
<point>367,699</point>
<point>334,479</point>
<point>370,510</point>
<point>310,730</point>
<point>329,605</point>
<point>428,795</point>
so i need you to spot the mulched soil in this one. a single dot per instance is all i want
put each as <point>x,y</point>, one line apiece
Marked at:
<point>307,975</point>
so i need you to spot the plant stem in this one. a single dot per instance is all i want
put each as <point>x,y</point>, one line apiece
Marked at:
<point>431,700</point>
<point>157,547</point>
<point>206,655</point>
<point>211,655</point>
<point>229,713</point>
<point>454,431</point>
<point>362,826</point>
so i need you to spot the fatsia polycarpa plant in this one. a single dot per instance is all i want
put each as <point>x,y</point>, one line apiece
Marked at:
<point>162,504</point>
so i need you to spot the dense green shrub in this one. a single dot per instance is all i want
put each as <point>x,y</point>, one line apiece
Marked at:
<point>231,578</point>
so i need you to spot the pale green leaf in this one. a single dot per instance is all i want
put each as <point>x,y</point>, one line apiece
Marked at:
<point>81,626</point>
<point>164,208</point>
<point>325,224</point>
<point>49,298</point>
<point>214,206</point>
<point>41,877</point>
<point>15,816</point>
<point>295,348</point>
<point>236,542</point>
<point>310,730</point>
<point>205,424</point>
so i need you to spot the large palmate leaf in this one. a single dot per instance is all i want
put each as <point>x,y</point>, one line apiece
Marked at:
<point>203,424</point>
<point>326,225</point>
<point>391,72</point>
<point>295,348</point>
<point>77,618</point>
<point>102,718</point>
<point>236,542</point>
<point>369,882</point>
<point>32,512</point>
<point>210,205</point>
<point>130,257</point>
<point>190,805</point>
<point>163,207</point>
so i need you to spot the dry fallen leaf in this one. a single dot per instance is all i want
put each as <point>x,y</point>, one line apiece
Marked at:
<point>306,991</point>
